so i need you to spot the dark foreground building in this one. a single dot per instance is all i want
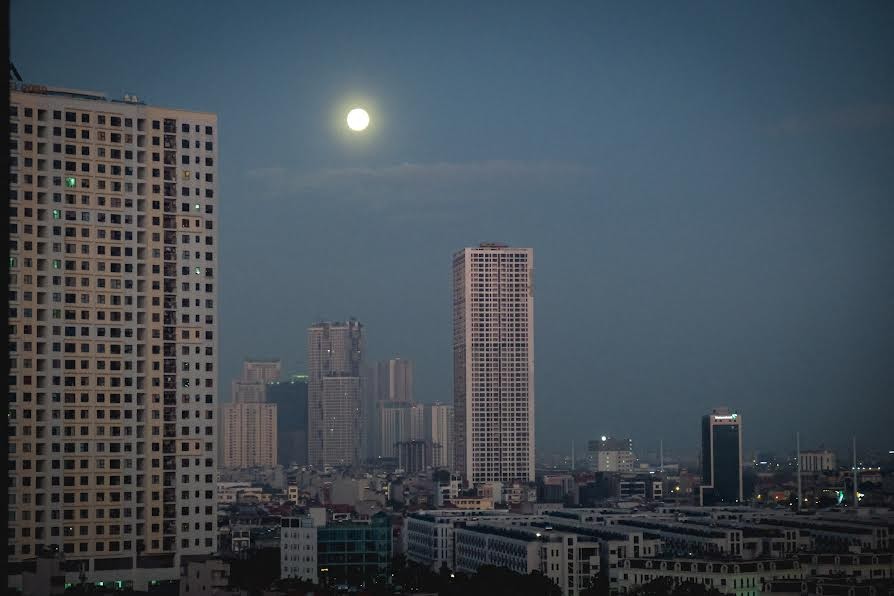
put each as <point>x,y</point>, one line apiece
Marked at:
<point>290,397</point>
<point>721,458</point>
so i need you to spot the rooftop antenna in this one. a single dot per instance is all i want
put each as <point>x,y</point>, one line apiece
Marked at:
<point>661,455</point>
<point>14,72</point>
<point>798,443</point>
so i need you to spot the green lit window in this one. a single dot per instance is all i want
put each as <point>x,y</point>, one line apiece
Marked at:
<point>198,270</point>
<point>71,182</point>
<point>57,313</point>
<point>12,261</point>
<point>57,264</point>
<point>57,214</point>
<point>198,206</point>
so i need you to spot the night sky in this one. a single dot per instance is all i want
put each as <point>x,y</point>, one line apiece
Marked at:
<point>708,187</point>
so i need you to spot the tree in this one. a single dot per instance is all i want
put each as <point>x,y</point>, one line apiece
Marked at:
<point>597,586</point>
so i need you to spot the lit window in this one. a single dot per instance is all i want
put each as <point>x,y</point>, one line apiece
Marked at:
<point>71,182</point>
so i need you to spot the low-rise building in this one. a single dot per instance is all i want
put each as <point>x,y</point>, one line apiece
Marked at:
<point>742,578</point>
<point>568,559</point>
<point>335,552</point>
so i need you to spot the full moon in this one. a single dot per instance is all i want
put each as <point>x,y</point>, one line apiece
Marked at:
<point>358,119</point>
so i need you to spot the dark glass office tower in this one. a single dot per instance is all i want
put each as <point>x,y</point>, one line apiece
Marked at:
<point>290,397</point>
<point>721,458</point>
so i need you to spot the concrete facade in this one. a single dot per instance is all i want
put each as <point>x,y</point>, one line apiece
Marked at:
<point>113,333</point>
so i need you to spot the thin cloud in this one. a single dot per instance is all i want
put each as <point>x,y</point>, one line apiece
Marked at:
<point>431,184</point>
<point>848,118</point>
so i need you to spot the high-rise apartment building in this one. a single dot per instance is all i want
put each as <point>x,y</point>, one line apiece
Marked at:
<point>721,458</point>
<point>493,363</point>
<point>439,434</point>
<point>112,334</point>
<point>261,371</point>
<point>250,435</point>
<point>335,405</point>
<point>398,422</point>
<point>395,380</point>
<point>249,420</point>
<point>608,454</point>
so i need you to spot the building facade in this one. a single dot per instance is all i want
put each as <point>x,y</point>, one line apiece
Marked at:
<point>493,363</point>
<point>250,435</point>
<point>335,405</point>
<point>611,455</point>
<point>261,371</point>
<point>398,422</point>
<point>112,334</point>
<point>721,458</point>
<point>439,434</point>
<point>395,380</point>
<point>290,397</point>
<point>250,421</point>
<point>335,553</point>
<point>823,460</point>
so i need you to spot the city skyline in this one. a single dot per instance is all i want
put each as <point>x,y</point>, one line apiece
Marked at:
<point>749,269</point>
<point>272,279</point>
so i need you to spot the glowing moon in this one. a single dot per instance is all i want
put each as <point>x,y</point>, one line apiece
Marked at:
<point>358,119</point>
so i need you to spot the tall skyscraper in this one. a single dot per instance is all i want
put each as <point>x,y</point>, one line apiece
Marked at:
<point>113,334</point>
<point>493,363</point>
<point>721,458</point>
<point>290,397</point>
<point>250,421</point>
<point>395,380</point>
<point>439,434</point>
<point>335,405</point>
<point>386,381</point>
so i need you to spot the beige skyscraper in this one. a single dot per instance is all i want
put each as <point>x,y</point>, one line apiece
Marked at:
<point>335,406</point>
<point>493,363</point>
<point>249,421</point>
<point>113,334</point>
<point>261,371</point>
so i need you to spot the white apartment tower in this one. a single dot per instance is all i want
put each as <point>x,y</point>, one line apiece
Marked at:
<point>493,363</point>
<point>334,399</point>
<point>112,334</point>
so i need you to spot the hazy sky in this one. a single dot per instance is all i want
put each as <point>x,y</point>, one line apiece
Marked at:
<point>708,187</point>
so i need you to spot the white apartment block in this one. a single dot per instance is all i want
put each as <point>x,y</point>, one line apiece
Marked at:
<point>112,334</point>
<point>569,560</point>
<point>493,363</point>
<point>298,549</point>
<point>336,416</point>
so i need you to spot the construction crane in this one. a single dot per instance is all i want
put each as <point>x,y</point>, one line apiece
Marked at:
<point>14,73</point>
